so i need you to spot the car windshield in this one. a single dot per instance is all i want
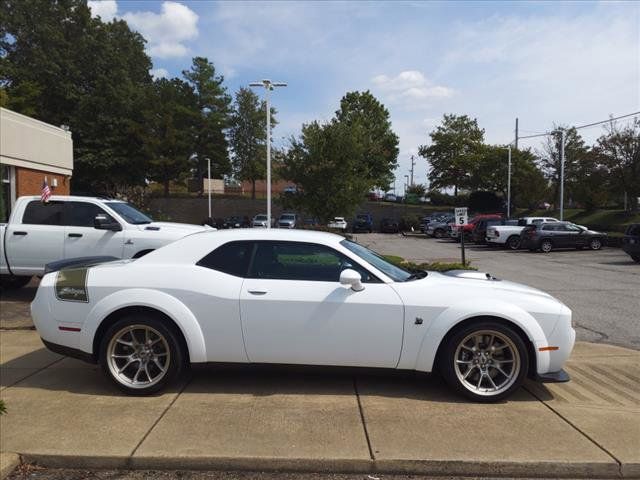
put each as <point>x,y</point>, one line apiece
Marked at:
<point>362,217</point>
<point>397,274</point>
<point>287,217</point>
<point>261,217</point>
<point>129,213</point>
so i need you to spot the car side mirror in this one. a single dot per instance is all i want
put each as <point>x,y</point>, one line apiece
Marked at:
<point>351,278</point>
<point>102,222</point>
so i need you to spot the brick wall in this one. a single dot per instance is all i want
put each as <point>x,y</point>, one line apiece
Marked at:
<point>29,182</point>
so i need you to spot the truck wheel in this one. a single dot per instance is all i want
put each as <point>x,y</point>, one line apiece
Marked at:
<point>10,282</point>
<point>513,242</point>
<point>485,361</point>
<point>141,354</point>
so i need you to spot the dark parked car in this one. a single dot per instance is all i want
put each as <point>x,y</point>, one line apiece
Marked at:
<point>236,221</point>
<point>479,233</point>
<point>432,217</point>
<point>389,225</point>
<point>363,223</point>
<point>549,236</point>
<point>631,241</point>
<point>439,228</point>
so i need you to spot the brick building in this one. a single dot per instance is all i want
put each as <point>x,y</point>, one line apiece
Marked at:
<point>30,152</point>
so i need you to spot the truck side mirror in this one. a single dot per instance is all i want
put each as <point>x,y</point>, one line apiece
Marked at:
<point>103,222</point>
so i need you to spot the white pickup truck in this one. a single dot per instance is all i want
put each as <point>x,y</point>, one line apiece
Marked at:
<point>509,235</point>
<point>69,227</point>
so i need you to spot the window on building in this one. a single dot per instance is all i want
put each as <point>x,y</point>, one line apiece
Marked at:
<point>5,193</point>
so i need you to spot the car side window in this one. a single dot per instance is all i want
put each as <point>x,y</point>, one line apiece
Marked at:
<point>302,261</point>
<point>547,228</point>
<point>82,214</point>
<point>39,213</point>
<point>231,258</point>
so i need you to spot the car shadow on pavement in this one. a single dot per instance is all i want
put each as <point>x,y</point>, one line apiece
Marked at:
<point>24,294</point>
<point>30,371</point>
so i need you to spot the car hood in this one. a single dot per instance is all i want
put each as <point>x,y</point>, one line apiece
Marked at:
<point>173,228</point>
<point>486,280</point>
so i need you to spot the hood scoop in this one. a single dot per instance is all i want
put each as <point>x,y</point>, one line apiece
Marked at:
<point>470,274</point>
<point>152,228</point>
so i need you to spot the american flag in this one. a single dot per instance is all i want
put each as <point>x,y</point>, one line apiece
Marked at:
<point>46,191</point>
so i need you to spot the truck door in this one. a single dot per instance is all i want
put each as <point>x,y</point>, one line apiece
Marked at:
<point>37,238</point>
<point>81,239</point>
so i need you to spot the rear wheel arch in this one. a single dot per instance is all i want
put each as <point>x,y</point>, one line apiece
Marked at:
<point>531,352</point>
<point>116,315</point>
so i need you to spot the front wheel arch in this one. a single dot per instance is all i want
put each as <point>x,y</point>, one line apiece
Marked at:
<point>531,352</point>
<point>113,317</point>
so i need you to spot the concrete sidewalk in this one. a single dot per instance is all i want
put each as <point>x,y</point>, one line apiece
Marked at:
<point>63,413</point>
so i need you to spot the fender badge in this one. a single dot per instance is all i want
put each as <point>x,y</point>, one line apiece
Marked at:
<point>418,321</point>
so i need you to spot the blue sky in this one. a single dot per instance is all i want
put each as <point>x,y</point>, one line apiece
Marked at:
<point>544,62</point>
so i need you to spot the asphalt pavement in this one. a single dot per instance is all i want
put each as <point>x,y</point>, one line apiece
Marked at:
<point>602,288</point>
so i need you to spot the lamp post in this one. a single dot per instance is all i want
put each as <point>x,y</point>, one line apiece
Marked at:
<point>562,139</point>
<point>406,187</point>
<point>268,86</point>
<point>195,158</point>
<point>509,185</point>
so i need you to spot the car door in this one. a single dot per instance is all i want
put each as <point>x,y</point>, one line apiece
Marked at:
<point>81,239</point>
<point>295,311</point>
<point>38,239</point>
<point>569,237</point>
<point>576,236</point>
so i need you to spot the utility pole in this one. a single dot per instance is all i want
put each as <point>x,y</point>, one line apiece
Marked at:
<point>516,142</point>
<point>268,86</point>
<point>413,164</point>
<point>562,175</point>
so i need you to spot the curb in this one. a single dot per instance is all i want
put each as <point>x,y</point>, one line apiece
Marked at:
<point>8,463</point>
<point>587,470</point>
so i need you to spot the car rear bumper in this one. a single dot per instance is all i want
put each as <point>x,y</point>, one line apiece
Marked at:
<point>70,352</point>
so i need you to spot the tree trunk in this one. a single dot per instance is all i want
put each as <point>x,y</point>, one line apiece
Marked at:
<point>253,189</point>
<point>166,188</point>
<point>455,190</point>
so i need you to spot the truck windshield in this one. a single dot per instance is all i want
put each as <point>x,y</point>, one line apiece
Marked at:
<point>129,213</point>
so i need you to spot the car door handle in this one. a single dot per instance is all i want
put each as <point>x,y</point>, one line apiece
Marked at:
<point>75,235</point>
<point>20,233</point>
<point>257,292</point>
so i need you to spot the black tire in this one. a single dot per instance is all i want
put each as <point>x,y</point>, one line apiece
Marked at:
<point>439,233</point>
<point>546,245</point>
<point>175,361</point>
<point>447,361</point>
<point>11,282</point>
<point>513,242</point>
<point>595,244</point>
<point>635,258</point>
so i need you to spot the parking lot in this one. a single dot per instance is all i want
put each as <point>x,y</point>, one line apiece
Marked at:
<point>601,287</point>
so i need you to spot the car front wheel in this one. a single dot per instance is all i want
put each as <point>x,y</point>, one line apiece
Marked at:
<point>485,362</point>
<point>141,355</point>
<point>595,244</point>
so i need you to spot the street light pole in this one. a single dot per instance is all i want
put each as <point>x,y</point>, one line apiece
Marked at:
<point>268,86</point>
<point>209,183</point>
<point>509,186</point>
<point>562,175</point>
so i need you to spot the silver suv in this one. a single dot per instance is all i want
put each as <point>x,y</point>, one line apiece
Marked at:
<point>288,220</point>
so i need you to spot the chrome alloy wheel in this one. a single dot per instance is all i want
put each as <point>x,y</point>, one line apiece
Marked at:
<point>138,356</point>
<point>595,244</point>
<point>487,362</point>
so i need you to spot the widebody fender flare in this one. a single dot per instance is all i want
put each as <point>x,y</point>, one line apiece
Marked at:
<point>464,310</point>
<point>161,301</point>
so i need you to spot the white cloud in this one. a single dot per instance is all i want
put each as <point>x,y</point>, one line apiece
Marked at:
<point>409,87</point>
<point>105,9</point>
<point>159,73</point>
<point>166,32</point>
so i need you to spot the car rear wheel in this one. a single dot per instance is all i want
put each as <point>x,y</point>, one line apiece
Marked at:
<point>439,233</point>
<point>513,242</point>
<point>546,246</point>
<point>595,244</point>
<point>141,355</point>
<point>485,362</point>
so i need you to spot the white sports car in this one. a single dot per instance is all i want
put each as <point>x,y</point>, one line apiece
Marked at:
<point>298,297</point>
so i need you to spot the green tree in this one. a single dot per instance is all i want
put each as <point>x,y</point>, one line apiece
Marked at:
<point>417,189</point>
<point>214,106</point>
<point>248,137</point>
<point>619,152</point>
<point>453,151</point>
<point>68,68</point>
<point>575,151</point>
<point>326,165</point>
<point>379,142</point>
<point>171,129</point>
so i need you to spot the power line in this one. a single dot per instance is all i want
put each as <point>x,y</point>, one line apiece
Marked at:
<point>583,126</point>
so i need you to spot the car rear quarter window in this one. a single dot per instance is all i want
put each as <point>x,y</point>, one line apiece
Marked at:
<point>39,213</point>
<point>231,258</point>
